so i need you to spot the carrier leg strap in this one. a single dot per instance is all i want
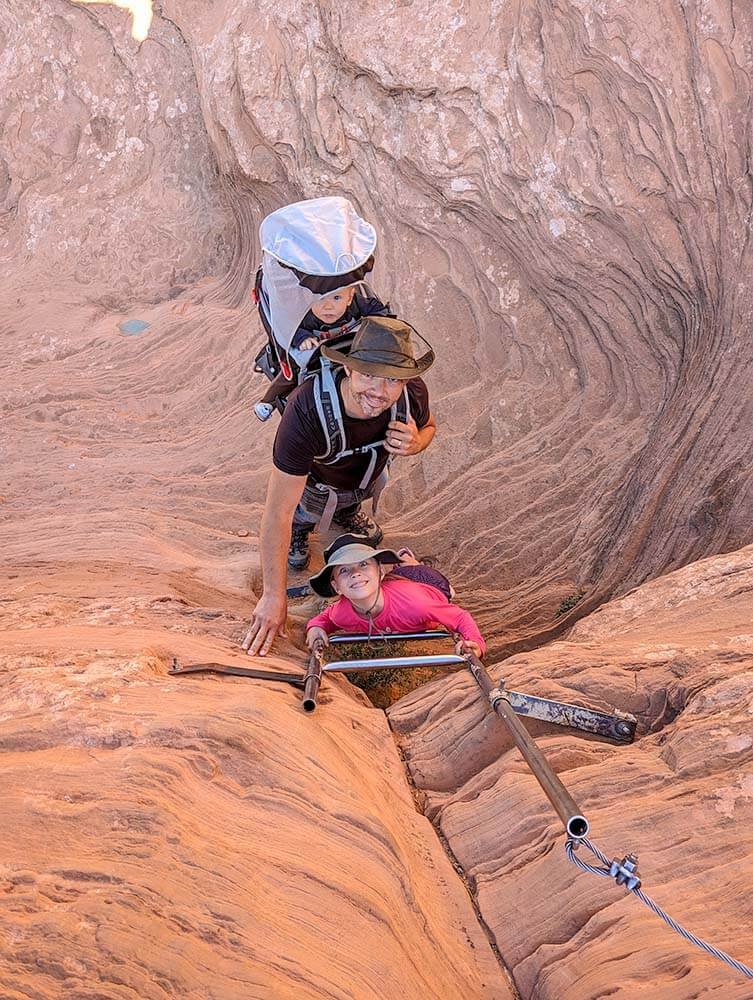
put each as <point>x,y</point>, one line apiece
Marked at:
<point>369,472</point>
<point>325,522</point>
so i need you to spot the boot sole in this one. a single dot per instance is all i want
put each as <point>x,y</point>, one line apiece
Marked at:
<point>298,564</point>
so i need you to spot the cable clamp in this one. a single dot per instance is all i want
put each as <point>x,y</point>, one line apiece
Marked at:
<point>626,872</point>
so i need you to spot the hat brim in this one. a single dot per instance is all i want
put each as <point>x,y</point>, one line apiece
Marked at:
<point>321,582</point>
<point>377,369</point>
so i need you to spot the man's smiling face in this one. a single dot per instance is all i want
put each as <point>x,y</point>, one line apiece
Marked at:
<point>371,395</point>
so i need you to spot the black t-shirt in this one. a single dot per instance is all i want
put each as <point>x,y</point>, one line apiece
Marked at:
<point>300,437</point>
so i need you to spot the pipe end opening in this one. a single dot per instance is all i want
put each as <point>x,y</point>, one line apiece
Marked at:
<point>577,827</point>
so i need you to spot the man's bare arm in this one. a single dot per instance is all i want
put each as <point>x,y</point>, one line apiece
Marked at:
<point>426,434</point>
<point>268,621</point>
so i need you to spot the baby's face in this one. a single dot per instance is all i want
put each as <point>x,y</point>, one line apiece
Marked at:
<point>359,582</point>
<point>332,307</point>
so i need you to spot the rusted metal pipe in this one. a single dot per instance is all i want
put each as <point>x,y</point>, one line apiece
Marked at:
<point>575,822</point>
<point>312,679</point>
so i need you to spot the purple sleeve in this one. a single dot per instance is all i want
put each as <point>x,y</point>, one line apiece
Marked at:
<point>300,335</point>
<point>364,306</point>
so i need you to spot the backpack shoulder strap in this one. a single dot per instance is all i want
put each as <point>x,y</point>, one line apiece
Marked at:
<point>329,411</point>
<point>335,332</point>
<point>401,409</point>
<point>262,301</point>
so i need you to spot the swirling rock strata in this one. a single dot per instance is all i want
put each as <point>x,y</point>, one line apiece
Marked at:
<point>563,197</point>
<point>563,202</point>
<point>562,209</point>
<point>677,653</point>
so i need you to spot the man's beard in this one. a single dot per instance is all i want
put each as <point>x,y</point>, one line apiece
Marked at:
<point>367,402</point>
<point>370,404</point>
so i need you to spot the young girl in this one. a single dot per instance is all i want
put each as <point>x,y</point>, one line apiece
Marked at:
<point>410,599</point>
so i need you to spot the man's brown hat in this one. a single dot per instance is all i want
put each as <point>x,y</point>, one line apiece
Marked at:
<point>383,347</point>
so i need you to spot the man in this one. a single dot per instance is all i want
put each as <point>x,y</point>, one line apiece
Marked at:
<point>314,480</point>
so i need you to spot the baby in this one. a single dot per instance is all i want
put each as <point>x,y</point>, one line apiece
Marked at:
<point>327,318</point>
<point>411,598</point>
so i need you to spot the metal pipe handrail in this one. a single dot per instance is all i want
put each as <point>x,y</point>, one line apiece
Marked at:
<point>312,679</point>
<point>564,805</point>
<point>316,666</point>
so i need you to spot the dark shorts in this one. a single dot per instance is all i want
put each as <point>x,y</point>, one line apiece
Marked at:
<point>311,505</point>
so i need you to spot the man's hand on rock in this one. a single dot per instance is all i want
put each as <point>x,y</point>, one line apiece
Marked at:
<point>267,623</point>
<point>402,438</point>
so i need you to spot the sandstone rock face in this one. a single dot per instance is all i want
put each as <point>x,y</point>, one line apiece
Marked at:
<point>562,209</point>
<point>108,186</point>
<point>195,837</point>
<point>677,653</point>
<point>563,202</point>
<point>198,838</point>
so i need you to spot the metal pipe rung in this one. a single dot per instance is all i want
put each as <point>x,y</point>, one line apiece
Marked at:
<point>394,662</point>
<point>389,637</point>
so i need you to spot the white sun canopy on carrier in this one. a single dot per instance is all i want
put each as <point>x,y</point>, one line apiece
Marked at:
<point>310,249</point>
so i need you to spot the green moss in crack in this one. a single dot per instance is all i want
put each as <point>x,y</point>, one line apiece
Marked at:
<point>367,679</point>
<point>569,603</point>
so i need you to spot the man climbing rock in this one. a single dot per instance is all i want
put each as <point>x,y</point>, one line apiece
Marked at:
<point>338,433</point>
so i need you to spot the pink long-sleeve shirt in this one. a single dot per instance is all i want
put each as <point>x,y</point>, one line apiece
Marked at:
<point>409,606</point>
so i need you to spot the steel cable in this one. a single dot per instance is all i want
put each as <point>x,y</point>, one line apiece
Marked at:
<point>608,871</point>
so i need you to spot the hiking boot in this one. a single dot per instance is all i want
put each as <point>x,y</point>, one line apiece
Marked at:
<point>263,411</point>
<point>358,523</point>
<point>299,552</point>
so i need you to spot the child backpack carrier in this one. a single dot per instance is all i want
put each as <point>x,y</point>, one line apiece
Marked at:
<point>309,250</point>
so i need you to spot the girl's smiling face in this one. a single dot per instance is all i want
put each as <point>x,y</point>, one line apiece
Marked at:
<point>358,582</point>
